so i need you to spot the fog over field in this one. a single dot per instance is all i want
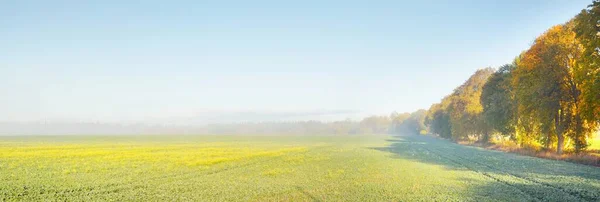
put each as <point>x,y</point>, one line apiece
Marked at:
<point>202,123</point>
<point>311,100</point>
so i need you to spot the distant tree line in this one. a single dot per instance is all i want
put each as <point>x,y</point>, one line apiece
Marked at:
<point>549,96</point>
<point>395,123</point>
<point>369,125</point>
<point>405,123</point>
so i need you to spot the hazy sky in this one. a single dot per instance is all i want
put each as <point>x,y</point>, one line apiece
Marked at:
<point>127,60</point>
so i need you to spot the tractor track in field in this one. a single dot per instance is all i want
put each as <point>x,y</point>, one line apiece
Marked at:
<point>138,184</point>
<point>171,177</point>
<point>142,183</point>
<point>573,193</point>
<point>524,192</point>
<point>453,158</point>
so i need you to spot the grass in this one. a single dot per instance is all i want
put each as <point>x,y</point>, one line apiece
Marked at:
<point>591,156</point>
<point>292,168</point>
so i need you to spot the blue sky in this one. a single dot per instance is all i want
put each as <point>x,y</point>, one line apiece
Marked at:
<point>158,60</point>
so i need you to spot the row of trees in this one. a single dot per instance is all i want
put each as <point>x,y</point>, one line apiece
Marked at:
<point>395,123</point>
<point>549,96</point>
<point>368,125</point>
<point>408,122</point>
<point>412,123</point>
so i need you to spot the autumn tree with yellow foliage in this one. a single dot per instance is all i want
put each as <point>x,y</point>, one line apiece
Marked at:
<point>549,96</point>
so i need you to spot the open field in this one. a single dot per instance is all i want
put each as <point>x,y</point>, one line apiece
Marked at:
<point>292,168</point>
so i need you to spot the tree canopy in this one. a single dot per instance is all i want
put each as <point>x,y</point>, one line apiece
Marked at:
<point>548,97</point>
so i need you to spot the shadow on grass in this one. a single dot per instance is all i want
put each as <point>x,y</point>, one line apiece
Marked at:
<point>532,178</point>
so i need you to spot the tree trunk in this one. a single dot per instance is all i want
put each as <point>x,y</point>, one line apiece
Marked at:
<point>486,138</point>
<point>559,132</point>
<point>561,142</point>
<point>580,141</point>
<point>548,138</point>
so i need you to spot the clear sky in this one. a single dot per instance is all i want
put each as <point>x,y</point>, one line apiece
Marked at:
<point>136,61</point>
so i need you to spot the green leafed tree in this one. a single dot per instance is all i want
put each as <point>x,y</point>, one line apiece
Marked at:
<point>587,30</point>
<point>497,100</point>
<point>438,119</point>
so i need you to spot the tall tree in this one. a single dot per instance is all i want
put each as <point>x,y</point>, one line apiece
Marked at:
<point>458,116</point>
<point>547,88</point>
<point>398,121</point>
<point>415,123</point>
<point>438,119</point>
<point>499,106</point>
<point>587,30</point>
<point>465,108</point>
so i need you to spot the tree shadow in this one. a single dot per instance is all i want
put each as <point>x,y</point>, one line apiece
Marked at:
<point>533,178</point>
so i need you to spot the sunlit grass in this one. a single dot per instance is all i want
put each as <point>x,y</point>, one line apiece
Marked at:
<point>86,157</point>
<point>238,168</point>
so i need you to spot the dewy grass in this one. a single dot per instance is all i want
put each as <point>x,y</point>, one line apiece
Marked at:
<point>243,168</point>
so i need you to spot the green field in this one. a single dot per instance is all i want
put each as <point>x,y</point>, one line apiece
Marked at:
<point>290,168</point>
